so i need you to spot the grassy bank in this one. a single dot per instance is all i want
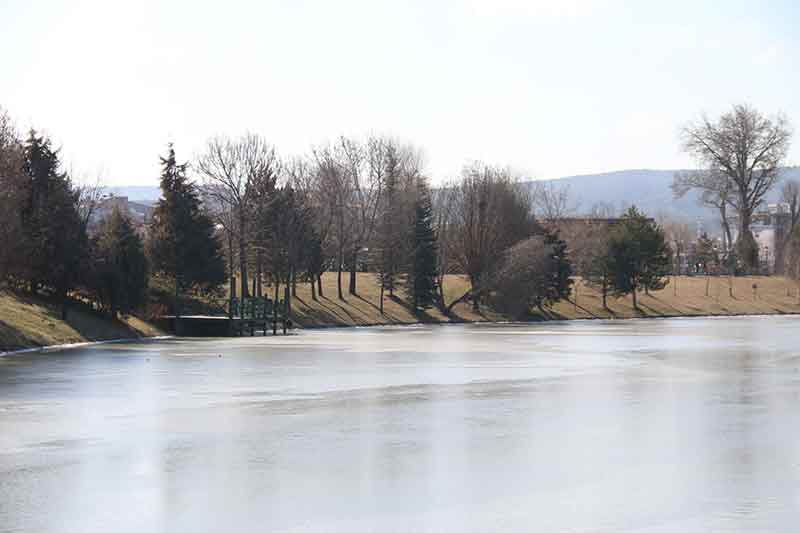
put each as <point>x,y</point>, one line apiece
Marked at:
<point>683,296</point>
<point>27,322</point>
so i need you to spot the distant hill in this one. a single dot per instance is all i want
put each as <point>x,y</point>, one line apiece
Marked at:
<point>647,189</point>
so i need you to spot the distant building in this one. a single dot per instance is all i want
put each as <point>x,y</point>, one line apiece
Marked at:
<point>138,213</point>
<point>770,227</point>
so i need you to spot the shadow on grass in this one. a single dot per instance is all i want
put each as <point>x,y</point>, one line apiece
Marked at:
<point>646,310</point>
<point>85,325</point>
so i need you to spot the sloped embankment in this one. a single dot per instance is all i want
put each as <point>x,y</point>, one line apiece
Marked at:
<point>27,322</point>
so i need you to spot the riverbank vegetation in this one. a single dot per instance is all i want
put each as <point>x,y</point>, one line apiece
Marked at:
<point>27,321</point>
<point>353,232</point>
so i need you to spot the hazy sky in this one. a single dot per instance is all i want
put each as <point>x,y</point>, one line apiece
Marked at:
<point>550,88</point>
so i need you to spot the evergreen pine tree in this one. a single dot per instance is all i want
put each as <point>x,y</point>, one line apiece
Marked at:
<point>639,255</point>
<point>389,241</point>
<point>595,267</point>
<point>182,245</point>
<point>423,274</point>
<point>53,238</point>
<point>556,282</point>
<point>121,265</point>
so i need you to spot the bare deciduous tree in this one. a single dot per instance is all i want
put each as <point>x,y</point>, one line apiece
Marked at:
<point>365,166</point>
<point>490,213</point>
<point>230,169</point>
<point>747,149</point>
<point>551,201</point>
<point>335,193</point>
<point>790,196</point>
<point>716,192</point>
<point>90,191</point>
<point>679,235</point>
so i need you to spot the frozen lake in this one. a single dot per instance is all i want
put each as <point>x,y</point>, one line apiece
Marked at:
<point>644,425</point>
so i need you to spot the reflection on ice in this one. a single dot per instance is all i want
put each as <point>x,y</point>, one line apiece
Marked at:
<point>657,425</point>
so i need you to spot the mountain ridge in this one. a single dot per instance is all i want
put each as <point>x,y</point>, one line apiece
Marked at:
<point>648,189</point>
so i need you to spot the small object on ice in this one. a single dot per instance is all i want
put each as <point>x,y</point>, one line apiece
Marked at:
<point>219,355</point>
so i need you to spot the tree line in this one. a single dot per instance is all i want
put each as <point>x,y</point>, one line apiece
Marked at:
<point>240,216</point>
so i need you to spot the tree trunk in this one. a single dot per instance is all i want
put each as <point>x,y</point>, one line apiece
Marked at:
<point>232,273</point>
<point>353,263</point>
<point>275,307</point>
<point>635,304</point>
<point>751,263</point>
<point>605,293</point>
<point>339,273</point>
<point>744,219</point>
<point>259,274</point>
<point>476,295</point>
<point>242,254</point>
<point>294,283</point>
<point>319,285</point>
<point>313,290</point>
<point>381,302</point>
<point>442,306</point>
<point>177,308</point>
<point>726,227</point>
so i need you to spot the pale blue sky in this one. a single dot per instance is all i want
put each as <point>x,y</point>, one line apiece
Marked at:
<point>550,88</point>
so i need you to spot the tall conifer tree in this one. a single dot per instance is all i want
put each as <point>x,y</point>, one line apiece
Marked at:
<point>182,245</point>
<point>53,238</point>
<point>121,265</point>
<point>639,255</point>
<point>423,272</point>
<point>390,243</point>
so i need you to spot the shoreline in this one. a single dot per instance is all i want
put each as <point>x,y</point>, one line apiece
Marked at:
<point>543,321</point>
<point>75,345</point>
<point>320,327</point>
<point>32,326</point>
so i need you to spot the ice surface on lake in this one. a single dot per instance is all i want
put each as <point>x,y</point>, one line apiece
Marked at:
<point>643,425</point>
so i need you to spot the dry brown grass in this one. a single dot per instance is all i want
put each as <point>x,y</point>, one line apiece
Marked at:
<point>364,309</point>
<point>775,295</point>
<point>28,322</point>
<point>689,300</point>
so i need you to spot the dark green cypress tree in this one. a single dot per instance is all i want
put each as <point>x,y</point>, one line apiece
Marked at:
<point>639,255</point>
<point>390,243</point>
<point>121,265</point>
<point>182,244</point>
<point>595,266</point>
<point>556,283</point>
<point>423,274</point>
<point>53,237</point>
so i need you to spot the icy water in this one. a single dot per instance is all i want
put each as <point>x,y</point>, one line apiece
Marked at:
<point>648,426</point>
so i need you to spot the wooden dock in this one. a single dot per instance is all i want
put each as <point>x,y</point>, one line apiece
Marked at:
<point>249,316</point>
